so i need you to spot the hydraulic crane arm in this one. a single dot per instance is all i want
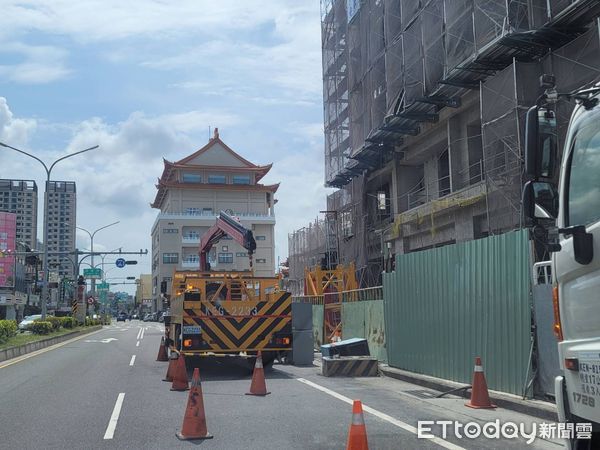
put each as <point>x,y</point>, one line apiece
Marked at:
<point>226,225</point>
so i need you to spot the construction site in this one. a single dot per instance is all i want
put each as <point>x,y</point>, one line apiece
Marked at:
<point>424,116</point>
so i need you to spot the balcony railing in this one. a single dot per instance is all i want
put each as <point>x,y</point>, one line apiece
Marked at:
<point>190,239</point>
<point>190,264</point>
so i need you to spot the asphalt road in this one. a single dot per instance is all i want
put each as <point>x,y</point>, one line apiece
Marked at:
<point>65,397</point>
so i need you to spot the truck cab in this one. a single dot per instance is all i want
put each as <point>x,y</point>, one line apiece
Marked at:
<point>566,218</point>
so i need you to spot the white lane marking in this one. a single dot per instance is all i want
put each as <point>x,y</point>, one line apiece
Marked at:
<point>139,332</point>
<point>132,360</point>
<point>12,361</point>
<point>383,416</point>
<point>137,344</point>
<point>142,335</point>
<point>114,418</point>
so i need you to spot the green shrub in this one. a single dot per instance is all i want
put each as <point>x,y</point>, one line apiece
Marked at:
<point>68,322</point>
<point>40,327</point>
<point>8,329</point>
<point>56,322</point>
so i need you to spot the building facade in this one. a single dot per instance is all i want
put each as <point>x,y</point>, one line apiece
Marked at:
<point>425,106</point>
<point>190,194</point>
<point>143,292</point>
<point>62,220</point>
<point>21,198</point>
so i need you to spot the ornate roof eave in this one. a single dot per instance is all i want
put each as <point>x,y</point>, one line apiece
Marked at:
<point>233,187</point>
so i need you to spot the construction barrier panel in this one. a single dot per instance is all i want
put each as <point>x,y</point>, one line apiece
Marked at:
<point>364,319</point>
<point>445,306</point>
<point>317,325</point>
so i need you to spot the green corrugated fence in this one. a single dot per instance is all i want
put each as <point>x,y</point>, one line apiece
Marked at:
<point>445,306</point>
<point>365,320</point>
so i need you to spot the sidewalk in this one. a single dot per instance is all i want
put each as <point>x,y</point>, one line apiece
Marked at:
<point>537,408</point>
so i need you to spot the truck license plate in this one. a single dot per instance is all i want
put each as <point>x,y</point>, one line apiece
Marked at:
<point>191,329</point>
<point>589,377</point>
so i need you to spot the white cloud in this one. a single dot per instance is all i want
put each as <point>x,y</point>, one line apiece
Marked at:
<point>40,64</point>
<point>15,132</point>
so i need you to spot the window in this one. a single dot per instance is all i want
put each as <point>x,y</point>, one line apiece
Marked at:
<point>261,238</point>
<point>584,184</point>
<point>241,254</point>
<point>241,179</point>
<point>193,211</point>
<point>191,258</point>
<point>170,230</point>
<point>225,248</point>
<point>207,211</point>
<point>261,260</point>
<point>225,258</point>
<point>192,178</point>
<point>216,179</point>
<point>170,258</point>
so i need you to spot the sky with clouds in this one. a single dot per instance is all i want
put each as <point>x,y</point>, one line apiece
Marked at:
<point>145,80</point>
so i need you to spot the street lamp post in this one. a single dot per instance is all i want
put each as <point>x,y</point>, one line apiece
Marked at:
<point>92,234</point>
<point>48,172</point>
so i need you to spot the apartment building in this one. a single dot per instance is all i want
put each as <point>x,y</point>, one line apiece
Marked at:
<point>20,197</point>
<point>62,220</point>
<point>425,106</point>
<point>190,194</point>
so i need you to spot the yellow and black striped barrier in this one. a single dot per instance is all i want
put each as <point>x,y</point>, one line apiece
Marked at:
<point>350,366</point>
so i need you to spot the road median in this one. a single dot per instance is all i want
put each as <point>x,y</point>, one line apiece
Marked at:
<point>20,350</point>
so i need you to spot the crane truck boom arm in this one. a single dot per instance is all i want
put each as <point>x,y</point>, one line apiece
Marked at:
<point>226,225</point>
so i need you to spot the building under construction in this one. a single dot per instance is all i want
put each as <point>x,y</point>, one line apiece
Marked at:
<point>424,110</point>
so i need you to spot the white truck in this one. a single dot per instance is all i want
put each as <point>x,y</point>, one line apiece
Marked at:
<point>566,219</point>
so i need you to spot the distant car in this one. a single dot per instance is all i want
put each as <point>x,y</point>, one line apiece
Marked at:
<point>147,317</point>
<point>135,317</point>
<point>28,320</point>
<point>122,317</point>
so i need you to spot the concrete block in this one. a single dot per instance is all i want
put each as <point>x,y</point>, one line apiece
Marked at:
<point>350,366</point>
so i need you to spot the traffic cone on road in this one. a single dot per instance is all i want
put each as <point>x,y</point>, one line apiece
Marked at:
<point>162,351</point>
<point>258,385</point>
<point>180,378</point>
<point>172,361</point>
<point>194,420</point>
<point>357,437</point>
<point>480,397</point>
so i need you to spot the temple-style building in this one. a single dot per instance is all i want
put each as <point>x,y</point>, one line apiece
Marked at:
<point>190,194</point>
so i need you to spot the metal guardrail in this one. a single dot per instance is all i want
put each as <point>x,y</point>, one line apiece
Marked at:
<point>355,295</point>
<point>542,273</point>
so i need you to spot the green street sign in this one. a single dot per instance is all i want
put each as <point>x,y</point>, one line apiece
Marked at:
<point>103,286</point>
<point>92,273</point>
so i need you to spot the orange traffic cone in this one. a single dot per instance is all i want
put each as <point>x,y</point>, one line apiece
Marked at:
<point>180,378</point>
<point>357,437</point>
<point>258,385</point>
<point>194,420</point>
<point>480,397</point>
<point>162,351</point>
<point>169,376</point>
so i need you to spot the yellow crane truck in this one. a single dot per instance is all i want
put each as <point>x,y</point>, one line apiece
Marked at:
<point>219,313</point>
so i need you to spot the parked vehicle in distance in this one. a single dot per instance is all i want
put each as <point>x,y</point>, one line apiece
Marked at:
<point>122,317</point>
<point>135,317</point>
<point>28,320</point>
<point>147,317</point>
<point>161,317</point>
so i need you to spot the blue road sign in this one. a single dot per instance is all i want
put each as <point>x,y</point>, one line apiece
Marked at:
<point>120,263</point>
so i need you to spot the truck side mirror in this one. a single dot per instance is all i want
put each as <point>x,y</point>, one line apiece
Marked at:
<point>540,143</point>
<point>540,201</point>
